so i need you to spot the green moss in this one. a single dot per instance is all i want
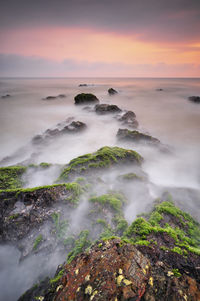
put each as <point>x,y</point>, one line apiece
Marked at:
<point>14,216</point>
<point>69,241</point>
<point>142,243</point>
<point>57,277</point>
<point>104,157</point>
<point>176,273</point>
<point>11,177</point>
<point>37,241</point>
<point>121,225</point>
<point>60,225</point>
<point>155,218</point>
<point>45,165</point>
<point>109,200</point>
<point>131,177</point>
<point>80,245</point>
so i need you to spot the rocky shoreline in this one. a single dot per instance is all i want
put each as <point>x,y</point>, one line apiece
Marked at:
<point>81,216</point>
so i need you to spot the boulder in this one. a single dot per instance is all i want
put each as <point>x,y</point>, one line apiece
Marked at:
<point>195,99</point>
<point>112,91</point>
<point>129,118</point>
<point>135,136</point>
<point>105,108</point>
<point>85,98</point>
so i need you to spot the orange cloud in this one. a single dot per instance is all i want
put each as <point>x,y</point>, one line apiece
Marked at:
<point>95,46</point>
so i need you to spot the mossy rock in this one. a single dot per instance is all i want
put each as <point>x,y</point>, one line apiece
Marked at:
<point>11,177</point>
<point>105,157</point>
<point>85,98</point>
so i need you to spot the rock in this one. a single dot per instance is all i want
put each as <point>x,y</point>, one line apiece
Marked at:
<point>105,108</point>
<point>112,91</point>
<point>83,85</point>
<point>6,96</point>
<point>61,95</point>
<point>75,126</point>
<point>50,97</point>
<point>159,89</point>
<point>84,98</point>
<point>129,118</point>
<point>135,136</point>
<point>104,158</point>
<point>195,99</point>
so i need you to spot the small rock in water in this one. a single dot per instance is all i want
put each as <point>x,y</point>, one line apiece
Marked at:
<point>85,98</point>
<point>112,91</point>
<point>160,89</point>
<point>83,85</point>
<point>61,95</point>
<point>195,99</point>
<point>104,108</point>
<point>49,97</point>
<point>6,96</point>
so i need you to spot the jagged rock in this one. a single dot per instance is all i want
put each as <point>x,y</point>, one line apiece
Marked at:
<point>22,210</point>
<point>104,158</point>
<point>135,136</point>
<point>129,118</point>
<point>105,108</point>
<point>85,98</point>
<point>195,99</point>
<point>112,91</point>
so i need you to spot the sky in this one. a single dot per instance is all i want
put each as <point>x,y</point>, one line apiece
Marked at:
<point>86,38</point>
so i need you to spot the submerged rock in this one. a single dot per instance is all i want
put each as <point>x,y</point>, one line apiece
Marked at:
<point>85,98</point>
<point>105,108</point>
<point>195,99</point>
<point>50,97</point>
<point>61,95</point>
<point>112,91</point>
<point>104,158</point>
<point>135,136</point>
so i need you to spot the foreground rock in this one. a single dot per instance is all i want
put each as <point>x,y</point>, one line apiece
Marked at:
<point>104,158</point>
<point>105,108</point>
<point>85,98</point>
<point>195,99</point>
<point>135,136</point>
<point>129,119</point>
<point>155,260</point>
<point>112,91</point>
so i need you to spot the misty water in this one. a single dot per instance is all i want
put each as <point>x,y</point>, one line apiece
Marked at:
<point>167,115</point>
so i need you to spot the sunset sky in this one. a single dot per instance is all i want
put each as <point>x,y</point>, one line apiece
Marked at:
<point>133,38</point>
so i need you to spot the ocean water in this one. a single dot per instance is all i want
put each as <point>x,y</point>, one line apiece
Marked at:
<point>167,115</point>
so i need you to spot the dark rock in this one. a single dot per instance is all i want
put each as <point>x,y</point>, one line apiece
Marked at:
<point>75,126</point>
<point>85,98</point>
<point>159,89</point>
<point>50,97</point>
<point>61,95</point>
<point>83,85</point>
<point>195,99</point>
<point>105,108</point>
<point>112,91</point>
<point>37,139</point>
<point>135,136</point>
<point>6,96</point>
<point>129,118</point>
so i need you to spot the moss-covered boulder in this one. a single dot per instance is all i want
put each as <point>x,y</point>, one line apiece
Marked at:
<point>11,177</point>
<point>135,136</point>
<point>104,158</point>
<point>85,98</point>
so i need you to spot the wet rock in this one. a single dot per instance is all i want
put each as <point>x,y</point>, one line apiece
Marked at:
<point>135,136</point>
<point>85,98</point>
<point>104,158</point>
<point>129,119</point>
<point>195,99</point>
<point>83,85</point>
<point>112,91</point>
<point>75,126</point>
<point>105,108</point>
